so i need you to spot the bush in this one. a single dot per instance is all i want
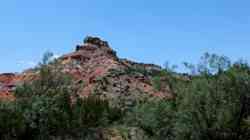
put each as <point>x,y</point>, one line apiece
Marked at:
<point>155,118</point>
<point>12,123</point>
<point>210,107</point>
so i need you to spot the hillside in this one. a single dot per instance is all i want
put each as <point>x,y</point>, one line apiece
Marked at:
<point>92,94</point>
<point>95,65</point>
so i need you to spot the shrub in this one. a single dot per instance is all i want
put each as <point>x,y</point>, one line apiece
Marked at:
<point>155,118</point>
<point>12,123</point>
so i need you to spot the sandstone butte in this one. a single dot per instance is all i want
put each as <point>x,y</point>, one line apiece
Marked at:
<point>90,63</point>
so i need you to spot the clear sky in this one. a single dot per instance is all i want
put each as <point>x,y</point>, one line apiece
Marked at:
<point>151,31</point>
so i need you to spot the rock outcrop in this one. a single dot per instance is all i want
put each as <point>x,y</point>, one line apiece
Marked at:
<point>102,73</point>
<point>7,85</point>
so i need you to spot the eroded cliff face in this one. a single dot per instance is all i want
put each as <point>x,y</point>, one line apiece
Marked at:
<point>96,65</point>
<point>6,85</point>
<point>9,82</point>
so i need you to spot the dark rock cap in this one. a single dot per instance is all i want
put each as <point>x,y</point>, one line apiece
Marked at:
<point>95,41</point>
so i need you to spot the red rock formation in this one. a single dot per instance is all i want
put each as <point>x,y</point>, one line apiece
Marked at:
<point>92,61</point>
<point>6,85</point>
<point>6,77</point>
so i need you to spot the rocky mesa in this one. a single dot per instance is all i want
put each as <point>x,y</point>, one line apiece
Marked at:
<point>96,66</point>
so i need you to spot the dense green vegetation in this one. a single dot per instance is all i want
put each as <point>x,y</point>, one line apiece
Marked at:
<point>211,103</point>
<point>49,108</point>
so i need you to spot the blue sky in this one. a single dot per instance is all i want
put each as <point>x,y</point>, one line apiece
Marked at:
<point>150,31</point>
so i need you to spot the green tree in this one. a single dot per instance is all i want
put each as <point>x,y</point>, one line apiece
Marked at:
<point>210,106</point>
